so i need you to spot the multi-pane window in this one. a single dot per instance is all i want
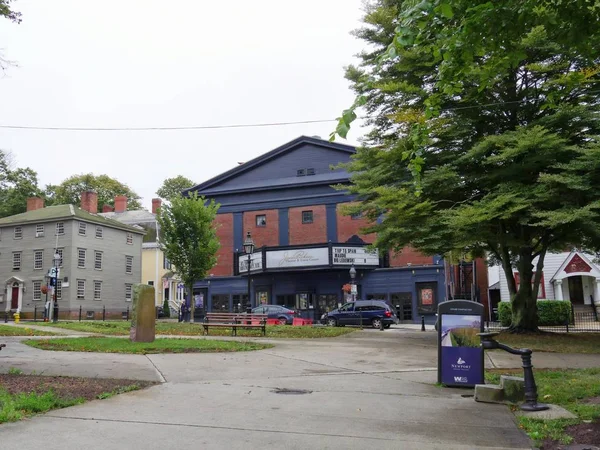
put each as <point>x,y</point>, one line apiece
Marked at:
<point>98,260</point>
<point>60,228</point>
<point>18,232</point>
<point>39,230</point>
<point>166,263</point>
<point>97,290</point>
<point>37,290</point>
<point>128,292</point>
<point>130,238</point>
<point>81,258</point>
<point>82,228</point>
<point>307,217</point>
<point>99,232</point>
<point>16,260</point>
<point>38,259</point>
<point>261,220</point>
<point>60,252</point>
<point>80,289</point>
<point>58,289</point>
<point>129,264</point>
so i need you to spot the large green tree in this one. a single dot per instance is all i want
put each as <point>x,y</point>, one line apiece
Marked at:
<point>69,191</point>
<point>16,186</point>
<point>484,131</point>
<point>7,12</point>
<point>188,238</point>
<point>172,187</point>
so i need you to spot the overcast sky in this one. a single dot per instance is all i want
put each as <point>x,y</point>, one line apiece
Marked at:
<point>145,63</point>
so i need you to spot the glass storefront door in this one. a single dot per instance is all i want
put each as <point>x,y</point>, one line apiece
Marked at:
<point>326,303</point>
<point>305,305</point>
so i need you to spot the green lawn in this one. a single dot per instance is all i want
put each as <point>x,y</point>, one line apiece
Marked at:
<point>121,328</point>
<point>8,330</point>
<point>17,406</point>
<point>161,345</point>
<point>553,342</point>
<point>567,388</point>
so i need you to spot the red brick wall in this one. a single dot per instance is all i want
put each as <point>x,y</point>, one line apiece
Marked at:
<point>347,226</point>
<point>409,255</point>
<point>267,235</point>
<point>308,233</point>
<point>224,226</point>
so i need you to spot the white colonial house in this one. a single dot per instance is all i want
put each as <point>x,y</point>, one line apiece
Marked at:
<point>570,276</point>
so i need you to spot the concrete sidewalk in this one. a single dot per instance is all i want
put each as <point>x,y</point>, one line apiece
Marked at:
<point>369,388</point>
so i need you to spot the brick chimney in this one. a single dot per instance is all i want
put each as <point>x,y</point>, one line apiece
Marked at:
<point>34,203</point>
<point>107,208</point>
<point>156,203</point>
<point>120,203</point>
<point>89,201</point>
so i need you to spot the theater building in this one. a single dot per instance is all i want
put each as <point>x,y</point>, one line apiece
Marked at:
<point>305,246</point>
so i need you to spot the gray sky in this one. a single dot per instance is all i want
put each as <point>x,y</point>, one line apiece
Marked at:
<point>138,63</point>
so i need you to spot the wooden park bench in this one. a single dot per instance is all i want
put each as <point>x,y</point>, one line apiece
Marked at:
<point>235,321</point>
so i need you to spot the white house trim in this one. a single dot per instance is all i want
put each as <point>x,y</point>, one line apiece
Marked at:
<point>9,289</point>
<point>561,274</point>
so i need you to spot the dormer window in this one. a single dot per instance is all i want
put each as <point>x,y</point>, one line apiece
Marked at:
<point>300,172</point>
<point>310,172</point>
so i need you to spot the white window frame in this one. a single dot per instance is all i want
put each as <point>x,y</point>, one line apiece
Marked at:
<point>79,258</point>
<point>38,263</point>
<point>39,230</point>
<point>129,239</point>
<point>60,228</point>
<point>97,260</point>
<point>129,264</point>
<point>58,289</point>
<point>17,260</point>
<point>60,251</point>
<point>99,233</point>
<point>37,290</point>
<point>80,290</point>
<point>128,292</point>
<point>97,290</point>
<point>82,227</point>
<point>18,233</point>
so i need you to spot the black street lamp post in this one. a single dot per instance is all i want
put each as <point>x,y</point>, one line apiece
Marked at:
<point>249,249</point>
<point>353,282</point>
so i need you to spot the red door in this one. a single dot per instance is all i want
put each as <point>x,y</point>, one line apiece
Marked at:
<point>14,302</point>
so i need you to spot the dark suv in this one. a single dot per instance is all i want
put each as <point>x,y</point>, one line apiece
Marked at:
<point>362,312</point>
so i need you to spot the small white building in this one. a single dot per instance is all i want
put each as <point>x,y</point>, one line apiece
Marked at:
<point>566,276</point>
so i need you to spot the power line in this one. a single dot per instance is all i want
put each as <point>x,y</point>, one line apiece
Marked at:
<point>199,127</point>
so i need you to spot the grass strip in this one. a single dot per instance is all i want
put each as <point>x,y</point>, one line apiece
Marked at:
<point>570,389</point>
<point>8,330</point>
<point>118,328</point>
<point>162,345</point>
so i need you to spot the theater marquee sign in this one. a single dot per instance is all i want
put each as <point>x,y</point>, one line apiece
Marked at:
<point>299,258</point>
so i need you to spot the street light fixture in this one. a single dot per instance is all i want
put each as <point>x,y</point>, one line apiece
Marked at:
<point>249,249</point>
<point>56,261</point>
<point>352,282</point>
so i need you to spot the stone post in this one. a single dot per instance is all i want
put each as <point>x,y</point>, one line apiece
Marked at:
<point>143,314</point>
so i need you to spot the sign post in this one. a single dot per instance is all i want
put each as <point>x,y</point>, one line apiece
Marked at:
<point>460,354</point>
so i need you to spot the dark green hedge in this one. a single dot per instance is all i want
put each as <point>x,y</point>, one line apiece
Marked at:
<point>550,312</point>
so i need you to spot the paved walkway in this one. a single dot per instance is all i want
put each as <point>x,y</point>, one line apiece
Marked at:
<point>366,389</point>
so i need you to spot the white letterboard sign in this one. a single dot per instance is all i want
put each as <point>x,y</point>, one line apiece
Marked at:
<point>281,259</point>
<point>255,264</point>
<point>359,256</point>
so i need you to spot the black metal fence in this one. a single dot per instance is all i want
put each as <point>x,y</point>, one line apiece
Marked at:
<point>583,322</point>
<point>82,314</point>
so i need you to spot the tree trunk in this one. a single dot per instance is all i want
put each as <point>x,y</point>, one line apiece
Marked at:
<point>524,302</point>
<point>190,290</point>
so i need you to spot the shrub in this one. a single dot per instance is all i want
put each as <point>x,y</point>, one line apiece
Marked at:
<point>550,312</point>
<point>166,309</point>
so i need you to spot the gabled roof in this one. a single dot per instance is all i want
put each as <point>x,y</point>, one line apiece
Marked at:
<point>279,151</point>
<point>131,217</point>
<point>64,212</point>
<point>561,273</point>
